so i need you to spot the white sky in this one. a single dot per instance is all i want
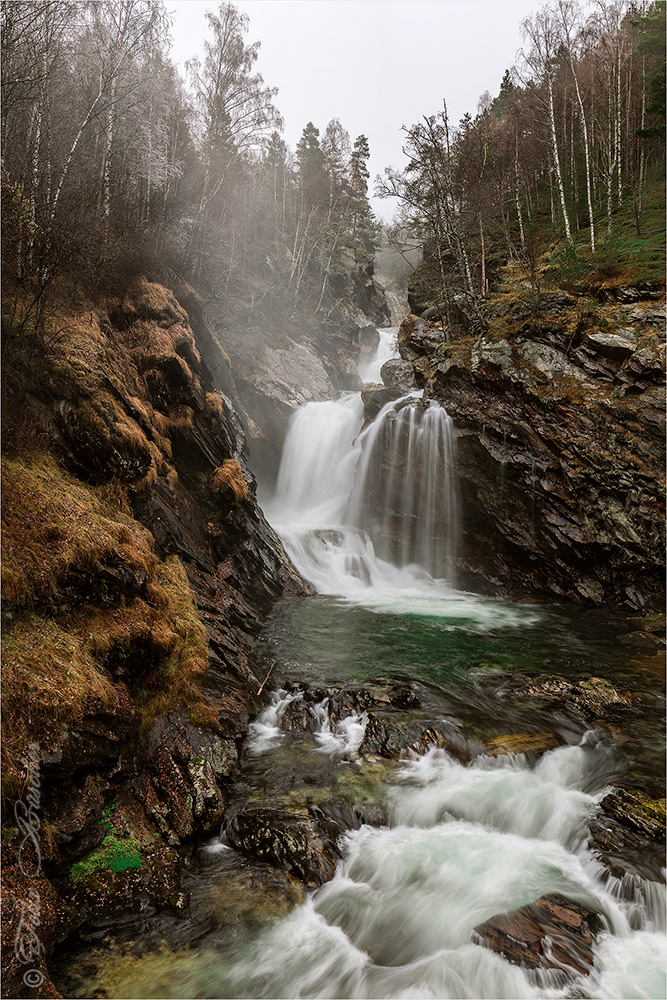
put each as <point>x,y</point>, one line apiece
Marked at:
<point>374,64</point>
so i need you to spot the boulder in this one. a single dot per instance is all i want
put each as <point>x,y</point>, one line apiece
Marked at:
<point>416,338</point>
<point>628,835</point>
<point>374,397</point>
<point>397,372</point>
<point>290,840</point>
<point>551,933</point>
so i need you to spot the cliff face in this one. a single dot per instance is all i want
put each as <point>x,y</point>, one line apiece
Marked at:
<point>137,571</point>
<point>279,366</point>
<point>559,412</point>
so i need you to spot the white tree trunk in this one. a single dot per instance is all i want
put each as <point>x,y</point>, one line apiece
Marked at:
<point>559,176</point>
<point>586,157</point>
<point>106,172</point>
<point>618,126</point>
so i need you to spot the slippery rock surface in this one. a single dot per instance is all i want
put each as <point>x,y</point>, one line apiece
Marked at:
<point>551,933</point>
<point>628,835</point>
<point>559,413</point>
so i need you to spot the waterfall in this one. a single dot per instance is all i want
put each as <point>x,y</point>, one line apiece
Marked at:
<point>370,508</point>
<point>404,496</point>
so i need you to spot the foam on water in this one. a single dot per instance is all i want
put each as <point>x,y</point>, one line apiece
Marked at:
<point>464,843</point>
<point>265,731</point>
<point>333,506</point>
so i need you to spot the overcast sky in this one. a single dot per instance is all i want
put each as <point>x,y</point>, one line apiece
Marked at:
<point>374,64</point>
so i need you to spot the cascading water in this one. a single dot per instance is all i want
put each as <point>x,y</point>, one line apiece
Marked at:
<point>370,511</point>
<point>370,515</point>
<point>404,494</point>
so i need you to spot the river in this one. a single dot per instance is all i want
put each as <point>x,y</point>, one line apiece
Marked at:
<point>462,841</point>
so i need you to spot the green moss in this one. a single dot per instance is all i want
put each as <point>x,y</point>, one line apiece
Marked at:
<point>115,854</point>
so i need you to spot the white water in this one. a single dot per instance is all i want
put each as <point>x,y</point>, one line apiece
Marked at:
<point>341,741</point>
<point>371,515</point>
<point>463,843</point>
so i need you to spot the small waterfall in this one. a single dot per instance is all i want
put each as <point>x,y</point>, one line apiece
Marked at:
<point>372,508</point>
<point>369,371</point>
<point>405,491</point>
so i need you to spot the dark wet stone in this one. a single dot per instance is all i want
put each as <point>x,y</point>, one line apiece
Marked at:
<point>590,699</point>
<point>374,397</point>
<point>383,738</point>
<point>628,835</point>
<point>371,814</point>
<point>551,933</point>
<point>290,841</point>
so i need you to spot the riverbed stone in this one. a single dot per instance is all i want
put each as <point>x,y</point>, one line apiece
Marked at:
<point>628,834</point>
<point>290,840</point>
<point>532,745</point>
<point>552,933</point>
<point>397,372</point>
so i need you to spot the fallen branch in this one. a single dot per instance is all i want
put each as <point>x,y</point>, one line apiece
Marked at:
<point>261,686</point>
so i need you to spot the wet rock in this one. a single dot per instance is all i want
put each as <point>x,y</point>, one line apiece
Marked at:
<point>551,933</point>
<point>293,842</point>
<point>187,764</point>
<point>530,744</point>
<point>369,338</point>
<point>416,338</point>
<point>560,450</point>
<point>374,397</point>
<point>384,738</point>
<point>628,835</point>
<point>397,372</point>
<point>454,743</point>
<point>106,900</point>
<point>591,699</point>
<point>32,922</point>
<point>371,814</point>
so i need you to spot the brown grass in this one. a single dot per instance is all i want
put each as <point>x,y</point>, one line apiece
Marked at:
<point>178,681</point>
<point>228,478</point>
<point>49,679</point>
<point>51,523</point>
<point>214,404</point>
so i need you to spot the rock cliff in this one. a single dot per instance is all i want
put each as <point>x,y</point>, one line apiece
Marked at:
<point>137,572</point>
<point>559,410</point>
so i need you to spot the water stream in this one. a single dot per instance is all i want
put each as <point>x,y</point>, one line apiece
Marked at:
<point>368,515</point>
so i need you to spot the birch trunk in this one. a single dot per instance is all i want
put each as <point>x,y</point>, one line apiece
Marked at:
<point>586,156</point>
<point>559,176</point>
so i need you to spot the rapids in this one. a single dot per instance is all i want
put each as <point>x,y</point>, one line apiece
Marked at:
<point>462,842</point>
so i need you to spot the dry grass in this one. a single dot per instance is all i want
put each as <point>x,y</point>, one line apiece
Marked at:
<point>52,523</point>
<point>65,652</point>
<point>214,404</point>
<point>181,419</point>
<point>177,683</point>
<point>106,419</point>
<point>49,680</point>
<point>229,479</point>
